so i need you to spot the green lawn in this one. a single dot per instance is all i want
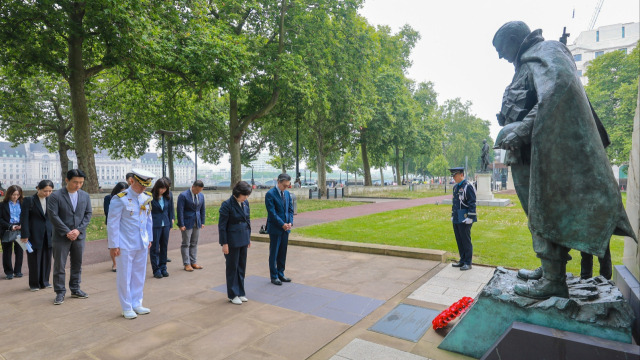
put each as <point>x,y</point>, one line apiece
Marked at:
<point>500,237</point>
<point>406,193</point>
<point>97,229</point>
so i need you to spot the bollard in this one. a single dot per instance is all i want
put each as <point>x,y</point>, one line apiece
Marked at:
<point>310,194</point>
<point>327,194</point>
<point>335,193</point>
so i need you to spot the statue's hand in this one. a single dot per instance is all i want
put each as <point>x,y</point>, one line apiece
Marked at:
<point>511,142</point>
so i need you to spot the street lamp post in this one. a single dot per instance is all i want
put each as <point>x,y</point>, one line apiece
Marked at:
<point>163,133</point>
<point>297,152</point>
<point>253,182</point>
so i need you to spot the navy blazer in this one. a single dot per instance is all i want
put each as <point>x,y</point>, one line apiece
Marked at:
<point>162,214</point>
<point>189,213</point>
<point>64,218</point>
<point>107,202</point>
<point>35,224</point>
<point>278,213</point>
<point>5,217</point>
<point>234,224</point>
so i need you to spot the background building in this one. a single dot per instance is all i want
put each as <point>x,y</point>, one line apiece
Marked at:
<point>27,164</point>
<point>593,43</point>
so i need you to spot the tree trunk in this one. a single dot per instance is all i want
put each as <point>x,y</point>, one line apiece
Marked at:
<point>322,168</point>
<point>64,159</point>
<point>234,141</point>
<point>81,126</point>
<point>381,177</point>
<point>365,163</point>
<point>397,161</point>
<point>170,165</point>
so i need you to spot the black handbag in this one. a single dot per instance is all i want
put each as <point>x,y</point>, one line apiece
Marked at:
<point>263,229</point>
<point>10,235</point>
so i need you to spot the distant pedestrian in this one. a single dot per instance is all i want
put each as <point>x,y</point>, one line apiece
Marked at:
<point>163,218</point>
<point>37,230</point>
<point>463,215</point>
<point>279,223</point>
<point>107,201</point>
<point>129,229</point>
<point>191,215</point>
<point>69,210</point>
<point>10,210</point>
<point>234,229</point>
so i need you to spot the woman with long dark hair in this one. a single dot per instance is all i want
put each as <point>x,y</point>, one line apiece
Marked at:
<point>37,229</point>
<point>163,216</point>
<point>107,201</point>
<point>10,210</point>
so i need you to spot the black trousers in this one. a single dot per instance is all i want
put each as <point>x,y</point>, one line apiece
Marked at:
<point>63,249</point>
<point>236,261</point>
<point>586,265</point>
<point>10,269</point>
<point>39,262</point>
<point>463,239</point>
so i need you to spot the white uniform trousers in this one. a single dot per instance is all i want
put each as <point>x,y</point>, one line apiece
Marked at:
<point>132,268</point>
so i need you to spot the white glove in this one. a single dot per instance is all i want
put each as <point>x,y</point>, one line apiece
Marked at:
<point>468,221</point>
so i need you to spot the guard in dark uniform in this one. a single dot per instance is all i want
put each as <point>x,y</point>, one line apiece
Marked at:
<point>463,215</point>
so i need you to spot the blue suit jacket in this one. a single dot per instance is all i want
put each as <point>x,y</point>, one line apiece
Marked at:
<point>234,224</point>
<point>188,212</point>
<point>160,215</point>
<point>278,213</point>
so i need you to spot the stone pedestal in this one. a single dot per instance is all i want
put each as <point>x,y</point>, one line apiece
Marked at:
<point>484,187</point>
<point>595,308</point>
<point>510,185</point>
<point>631,255</point>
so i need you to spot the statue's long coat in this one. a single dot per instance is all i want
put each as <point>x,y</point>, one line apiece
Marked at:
<point>574,200</point>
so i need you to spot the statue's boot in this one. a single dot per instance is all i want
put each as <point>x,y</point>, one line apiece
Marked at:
<point>525,274</point>
<point>552,283</point>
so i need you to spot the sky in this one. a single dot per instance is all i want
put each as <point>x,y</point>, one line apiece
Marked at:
<point>455,50</point>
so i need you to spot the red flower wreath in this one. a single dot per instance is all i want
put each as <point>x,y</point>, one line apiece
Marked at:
<point>452,312</point>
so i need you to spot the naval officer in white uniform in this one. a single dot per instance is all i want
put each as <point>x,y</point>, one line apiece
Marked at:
<point>130,231</point>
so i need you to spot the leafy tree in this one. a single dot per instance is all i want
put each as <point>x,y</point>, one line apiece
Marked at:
<point>613,91</point>
<point>37,109</point>
<point>73,41</point>
<point>438,166</point>
<point>464,133</point>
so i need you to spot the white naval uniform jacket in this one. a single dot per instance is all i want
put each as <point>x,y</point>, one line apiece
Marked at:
<point>129,225</point>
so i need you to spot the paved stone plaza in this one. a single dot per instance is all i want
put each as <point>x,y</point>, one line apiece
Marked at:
<point>326,313</point>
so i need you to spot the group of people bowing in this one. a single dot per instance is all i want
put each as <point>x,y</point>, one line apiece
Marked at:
<point>53,224</point>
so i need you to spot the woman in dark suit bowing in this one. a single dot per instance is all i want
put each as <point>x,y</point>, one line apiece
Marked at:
<point>234,228</point>
<point>10,209</point>
<point>163,216</point>
<point>107,201</point>
<point>37,229</point>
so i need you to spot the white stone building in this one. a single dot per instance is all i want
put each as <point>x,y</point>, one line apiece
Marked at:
<point>593,43</point>
<point>27,164</point>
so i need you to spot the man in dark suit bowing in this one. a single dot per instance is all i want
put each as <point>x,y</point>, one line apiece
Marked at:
<point>191,212</point>
<point>279,223</point>
<point>69,210</point>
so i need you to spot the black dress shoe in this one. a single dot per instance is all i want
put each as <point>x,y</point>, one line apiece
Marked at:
<point>465,267</point>
<point>457,264</point>
<point>165,273</point>
<point>284,279</point>
<point>276,282</point>
<point>168,260</point>
<point>18,275</point>
<point>158,275</point>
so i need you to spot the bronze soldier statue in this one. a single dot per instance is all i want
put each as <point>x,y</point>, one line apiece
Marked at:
<point>556,149</point>
<point>485,156</point>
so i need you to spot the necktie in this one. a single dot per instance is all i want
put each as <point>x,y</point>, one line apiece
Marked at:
<point>282,195</point>
<point>195,199</point>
